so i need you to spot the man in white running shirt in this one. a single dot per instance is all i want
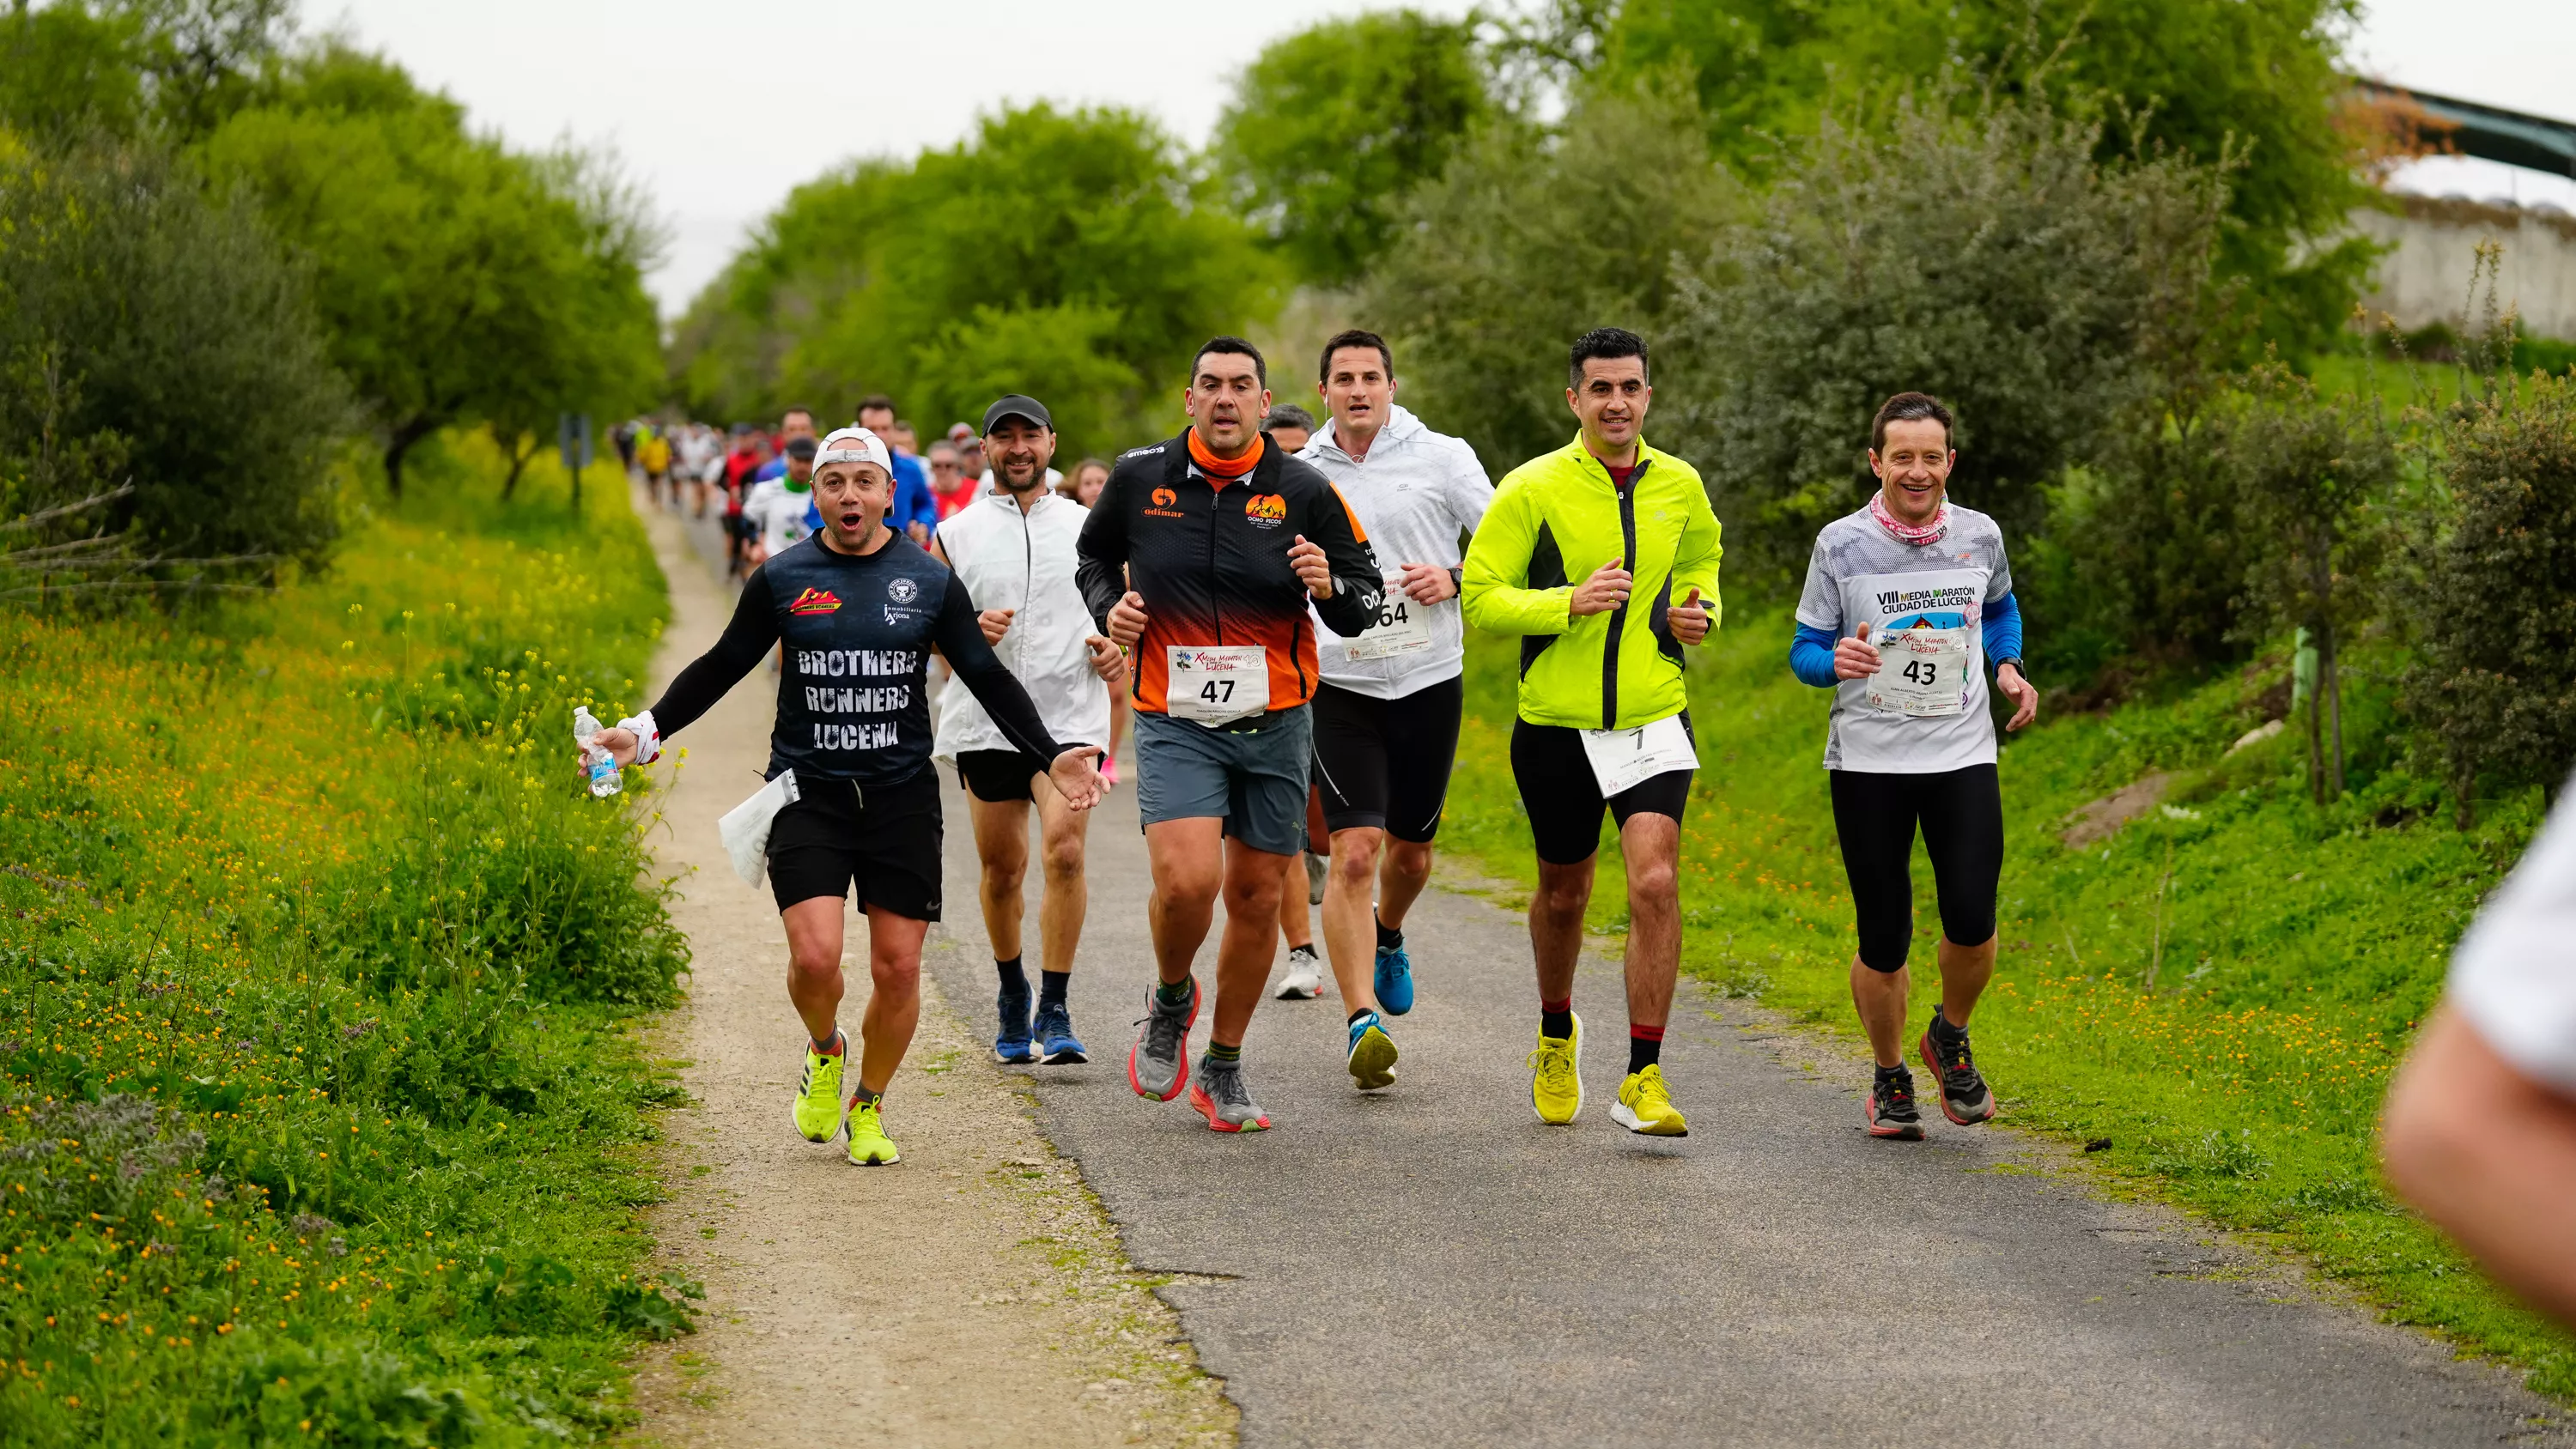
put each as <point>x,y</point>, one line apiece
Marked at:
<point>780,511</point>
<point>1386,713</point>
<point>1013,549</point>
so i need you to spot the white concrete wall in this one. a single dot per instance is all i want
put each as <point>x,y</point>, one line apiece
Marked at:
<point>2425,279</point>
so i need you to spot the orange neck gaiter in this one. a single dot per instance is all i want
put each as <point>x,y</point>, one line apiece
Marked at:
<point>1225,468</point>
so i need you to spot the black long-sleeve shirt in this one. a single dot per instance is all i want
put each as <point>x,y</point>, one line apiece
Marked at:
<point>857,629</point>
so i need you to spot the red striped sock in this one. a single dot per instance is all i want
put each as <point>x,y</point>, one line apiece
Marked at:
<point>1645,1047</point>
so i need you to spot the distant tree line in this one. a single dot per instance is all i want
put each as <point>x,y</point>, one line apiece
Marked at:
<point>226,251</point>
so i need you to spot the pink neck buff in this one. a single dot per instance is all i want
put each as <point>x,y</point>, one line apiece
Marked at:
<point>1917,534</point>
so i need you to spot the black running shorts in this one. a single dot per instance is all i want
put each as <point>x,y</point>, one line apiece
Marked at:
<point>1962,813</point>
<point>1563,798</point>
<point>998,776</point>
<point>886,843</point>
<point>1384,764</point>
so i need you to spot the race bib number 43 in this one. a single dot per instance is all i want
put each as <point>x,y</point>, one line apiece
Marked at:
<point>1215,685</point>
<point>1403,626</point>
<point>1921,672</point>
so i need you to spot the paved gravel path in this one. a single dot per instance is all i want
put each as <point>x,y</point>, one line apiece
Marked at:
<point>1434,1266</point>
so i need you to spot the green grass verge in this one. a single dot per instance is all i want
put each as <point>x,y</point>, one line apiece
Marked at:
<point>322,1118</point>
<point>2221,988</point>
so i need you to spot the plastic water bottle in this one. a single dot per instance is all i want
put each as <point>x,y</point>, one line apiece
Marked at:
<point>604,780</point>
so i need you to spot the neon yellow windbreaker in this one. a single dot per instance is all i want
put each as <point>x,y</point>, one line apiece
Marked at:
<point>1554,520</point>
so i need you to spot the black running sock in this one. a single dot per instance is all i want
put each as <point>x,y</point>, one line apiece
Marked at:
<point>1356,1015</point>
<point>1051,985</point>
<point>1897,1074</point>
<point>1556,1018</point>
<point>1173,993</point>
<point>1943,1032</point>
<point>862,1097</point>
<point>1223,1055</point>
<point>1013,978</point>
<point>1645,1048</point>
<point>1388,938</point>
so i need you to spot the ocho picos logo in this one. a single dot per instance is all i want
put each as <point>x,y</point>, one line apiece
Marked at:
<point>1268,510</point>
<point>815,601</point>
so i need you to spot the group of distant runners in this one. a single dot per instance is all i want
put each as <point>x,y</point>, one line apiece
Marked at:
<point>1282,604</point>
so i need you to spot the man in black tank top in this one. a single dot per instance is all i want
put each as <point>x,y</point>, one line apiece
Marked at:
<point>856,609</point>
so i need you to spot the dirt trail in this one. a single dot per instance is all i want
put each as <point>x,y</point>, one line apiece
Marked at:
<point>973,1294</point>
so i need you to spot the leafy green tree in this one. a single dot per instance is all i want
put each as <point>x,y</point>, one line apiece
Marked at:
<point>1331,126</point>
<point>459,283</point>
<point>1531,238</point>
<point>1068,248</point>
<point>2251,84</point>
<point>112,67</point>
<point>65,74</point>
<point>2495,618</point>
<point>151,339</point>
<point>1979,254</point>
<point>2309,473</point>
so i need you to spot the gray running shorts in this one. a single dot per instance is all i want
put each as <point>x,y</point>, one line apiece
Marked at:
<point>1251,775</point>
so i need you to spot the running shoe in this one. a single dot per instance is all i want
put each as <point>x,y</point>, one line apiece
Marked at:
<point>1159,1063</point>
<point>1219,1094</point>
<point>1394,980</point>
<point>1646,1108</point>
<point>1057,1045</point>
<point>1316,869</point>
<point>1305,978</point>
<point>1372,1054</point>
<point>818,1093</point>
<point>1556,1077</point>
<point>1891,1108</point>
<point>1964,1098</point>
<point>869,1144</point>
<point>1011,1044</point>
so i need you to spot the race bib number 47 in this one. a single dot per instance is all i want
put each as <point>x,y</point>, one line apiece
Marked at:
<point>1921,672</point>
<point>1216,685</point>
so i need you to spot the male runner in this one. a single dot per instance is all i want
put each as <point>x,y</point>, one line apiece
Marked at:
<point>1014,549</point>
<point>1908,603</point>
<point>857,607</point>
<point>915,511</point>
<point>782,511</point>
<point>1604,718</point>
<point>1386,715</point>
<point>1200,557</point>
<point>1290,427</point>
<point>793,423</point>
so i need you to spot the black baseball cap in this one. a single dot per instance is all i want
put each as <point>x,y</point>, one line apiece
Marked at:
<point>1016,406</point>
<point>801,447</point>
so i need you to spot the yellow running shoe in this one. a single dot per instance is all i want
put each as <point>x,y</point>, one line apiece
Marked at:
<point>818,1096</point>
<point>869,1146</point>
<point>1556,1077</point>
<point>1646,1108</point>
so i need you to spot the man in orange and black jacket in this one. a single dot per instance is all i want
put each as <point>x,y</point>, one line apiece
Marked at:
<point>1201,556</point>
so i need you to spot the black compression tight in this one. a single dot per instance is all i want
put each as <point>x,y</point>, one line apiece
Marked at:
<point>1962,814</point>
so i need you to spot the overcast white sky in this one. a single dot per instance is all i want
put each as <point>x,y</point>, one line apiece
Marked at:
<point>707,104</point>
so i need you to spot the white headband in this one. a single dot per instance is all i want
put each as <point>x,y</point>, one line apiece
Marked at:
<point>854,445</point>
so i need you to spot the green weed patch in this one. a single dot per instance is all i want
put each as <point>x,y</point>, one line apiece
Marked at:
<point>2220,987</point>
<point>320,1116</point>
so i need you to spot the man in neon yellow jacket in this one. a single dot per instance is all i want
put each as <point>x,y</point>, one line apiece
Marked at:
<point>1604,717</point>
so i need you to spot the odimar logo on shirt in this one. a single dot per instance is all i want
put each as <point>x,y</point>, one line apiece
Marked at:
<point>815,601</point>
<point>1265,508</point>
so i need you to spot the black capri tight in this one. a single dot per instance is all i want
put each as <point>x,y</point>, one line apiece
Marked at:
<point>1962,812</point>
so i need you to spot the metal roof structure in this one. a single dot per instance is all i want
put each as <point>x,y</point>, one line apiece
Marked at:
<point>2492,133</point>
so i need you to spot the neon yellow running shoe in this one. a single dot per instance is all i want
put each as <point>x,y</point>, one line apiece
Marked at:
<point>1556,1077</point>
<point>1646,1108</point>
<point>818,1095</point>
<point>869,1145</point>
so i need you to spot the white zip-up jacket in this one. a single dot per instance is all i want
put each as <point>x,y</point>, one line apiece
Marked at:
<point>1415,494</point>
<point>1011,560</point>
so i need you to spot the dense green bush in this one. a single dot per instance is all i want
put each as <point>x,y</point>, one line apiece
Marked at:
<point>2495,612</point>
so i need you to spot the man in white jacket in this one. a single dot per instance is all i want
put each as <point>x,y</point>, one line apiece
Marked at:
<point>1386,713</point>
<point>1014,550</point>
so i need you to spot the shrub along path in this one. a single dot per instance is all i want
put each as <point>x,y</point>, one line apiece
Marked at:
<point>972,1295</point>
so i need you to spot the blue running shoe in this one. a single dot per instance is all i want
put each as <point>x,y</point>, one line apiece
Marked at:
<point>1372,1054</point>
<point>1011,1045</point>
<point>1394,981</point>
<point>1057,1045</point>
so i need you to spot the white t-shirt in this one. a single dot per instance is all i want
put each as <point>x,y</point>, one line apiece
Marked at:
<point>778,512</point>
<point>1862,574</point>
<point>2514,975</point>
<point>1414,495</point>
<point>1008,559</point>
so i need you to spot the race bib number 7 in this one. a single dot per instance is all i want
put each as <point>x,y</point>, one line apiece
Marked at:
<point>1921,672</point>
<point>1216,685</point>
